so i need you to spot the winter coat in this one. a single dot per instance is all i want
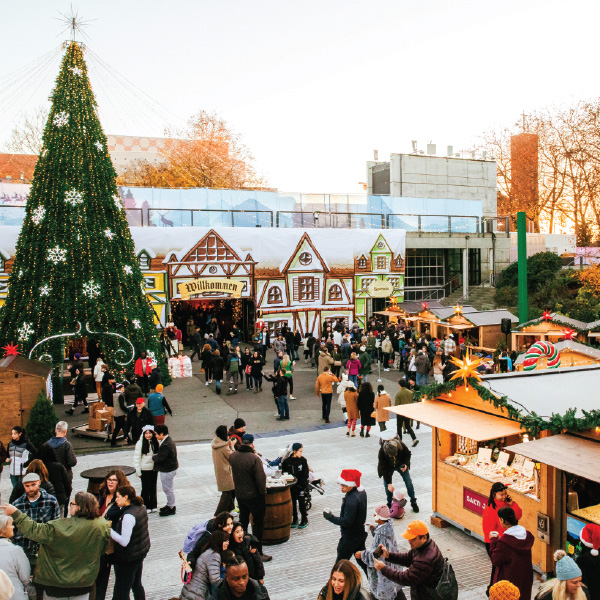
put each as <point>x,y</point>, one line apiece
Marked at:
<point>425,566</point>
<point>165,460</point>
<point>257,591</point>
<point>20,454</point>
<point>256,365</point>
<point>298,467</point>
<point>218,364</point>
<point>155,378</point>
<point>353,366</point>
<point>143,366</point>
<point>381,587</point>
<point>365,363</point>
<point>404,396</point>
<point>132,392</point>
<point>70,549</point>
<point>590,569</point>
<point>64,453</point>
<point>158,405</point>
<point>142,462</point>
<point>324,360</point>
<point>352,515</point>
<point>206,574</point>
<point>15,564</point>
<point>382,401</point>
<point>351,399</point>
<point>365,407</point>
<point>138,420</point>
<point>511,559</point>
<point>249,476</point>
<point>232,364</point>
<point>279,346</point>
<point>386,347</point>
<point>98,373</point>
<point>324,383</point>
<point>139,544</point>
<point>206,357</point>
<point>548,594</point>
<point>386,465</point>
<point>19,490</point>
<point>491,522</point>
<point>279,384</point>
<point>256,570</point>
<point>221,451</point>
<point>422,363</point>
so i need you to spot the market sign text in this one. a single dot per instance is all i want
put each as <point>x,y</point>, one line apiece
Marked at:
<point>210,286</point>
<point>474,501</point>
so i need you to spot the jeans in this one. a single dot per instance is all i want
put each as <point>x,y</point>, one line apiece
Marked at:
<point>218,384</point>
<point>257,381</point>
<point>256,507</point>
<point>422,379</point>
<point>249,381</point>
<point>354,380</point>
<point>407,482</point>
<point>326,405</point>
<point>348,546</point>
<point>283,407</point>
<point>166,480</point>
<point>404,422</point>
<point>15,479</point>
<point>128,577</point>
<point>149,479</point>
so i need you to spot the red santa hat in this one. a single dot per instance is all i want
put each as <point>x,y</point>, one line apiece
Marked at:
<point>351,478</point>
<point>590,537</point>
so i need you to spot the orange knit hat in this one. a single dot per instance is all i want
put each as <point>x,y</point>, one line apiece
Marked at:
<point>504,590</point>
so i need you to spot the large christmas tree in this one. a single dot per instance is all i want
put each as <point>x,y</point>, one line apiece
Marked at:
<point>75,260</point>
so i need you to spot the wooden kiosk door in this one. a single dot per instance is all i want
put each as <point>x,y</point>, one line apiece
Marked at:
<point>11,408</point>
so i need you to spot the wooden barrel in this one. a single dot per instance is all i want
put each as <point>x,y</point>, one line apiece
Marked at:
<point>278,516</point>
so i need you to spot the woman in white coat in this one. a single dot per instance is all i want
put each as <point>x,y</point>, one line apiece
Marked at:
<point>145,447</point>
<point>98,375</point>
<point>14,562</point>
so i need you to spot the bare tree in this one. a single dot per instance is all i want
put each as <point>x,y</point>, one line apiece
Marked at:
<point>26,137</point>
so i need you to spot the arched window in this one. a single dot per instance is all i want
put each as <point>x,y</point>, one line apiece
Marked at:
<point>274,295</point>
<point>335,292</point>
<point>362,263</point>
<point>398,262</point>
<point>144,260</point>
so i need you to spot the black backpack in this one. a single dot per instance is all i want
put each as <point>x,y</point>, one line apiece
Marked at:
<point>447,586</point>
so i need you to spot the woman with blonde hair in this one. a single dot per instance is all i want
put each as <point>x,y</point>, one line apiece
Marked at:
<point>344,583</point>
<point>286,365</point>
<point>567,583</point>
<point>13,561</point>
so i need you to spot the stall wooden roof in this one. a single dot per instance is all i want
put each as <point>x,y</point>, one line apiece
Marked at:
<point>460,420</point>
<point>18,364</point>
<point>569,453</point>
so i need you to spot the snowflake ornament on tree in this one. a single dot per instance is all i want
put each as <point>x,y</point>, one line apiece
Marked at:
<point>61,119</point>
<point>137,323</point>
<point>91,289</point>
<point>57,254</point>
<point>45,290</point>
<point>38,215</point>
<point>128,270</point>
<point>73,197</point>
<point>76,71</point>
<point>99,145</point>
<point>109,234</point>
<point>117,201</point>
<point>25,331</point>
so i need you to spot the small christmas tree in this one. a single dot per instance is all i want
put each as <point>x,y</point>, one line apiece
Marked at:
<point>75,267</point>
<point>43,418</point>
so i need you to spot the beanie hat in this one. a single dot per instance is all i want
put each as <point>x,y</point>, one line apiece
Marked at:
<point>351,478</point>
<point>77,355</point>
<point>7,589</point>
<point>159,388</point>
<point>296,446</point>
<point>382,512</point>
<point>566,567</point>
<point>590,537</point>
<point>504,590</point>
<point>239,423</point>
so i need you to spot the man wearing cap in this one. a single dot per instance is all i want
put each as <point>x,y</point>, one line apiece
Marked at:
<point>353,515</point>
<point>137,418</point>
<point>158,405</point>
<point>40,507</point>
<point>424,562</point>
<point>250,484</point>
<point>589,559</point>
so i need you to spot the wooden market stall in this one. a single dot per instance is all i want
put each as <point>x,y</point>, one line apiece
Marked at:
<point>549,327</point>
<point>21,380</point>
<point>431,319</point>
<point>572,354</point>
<point>481,432</point>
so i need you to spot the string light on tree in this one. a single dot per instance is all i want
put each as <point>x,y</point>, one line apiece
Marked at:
<point>38,215</point>
<point>73,197</point>
<point>91,289</point>
<point>25,331</point>
<point>61,119</point>
<point>45,290</point>
<point>56,255</point>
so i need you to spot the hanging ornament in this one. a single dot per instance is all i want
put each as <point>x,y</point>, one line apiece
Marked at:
<point>99,145</point>
<point>57,254</point>
<point>11,350</point>
<point>137,323</point>
<point>76,71</point>
<point>25,331</point>
<point>109,234</point>
<point>128,270</point>
<point>466,368</point>
<point>546,316</point>
<point>61,119</point>
<point>38,215</point>
<point>568,334</point>
<point>73,197</point>
<point>91,289</point>
<point>45,290</point>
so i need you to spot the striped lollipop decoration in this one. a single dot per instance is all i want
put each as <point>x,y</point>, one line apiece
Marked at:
<point>538,350</point>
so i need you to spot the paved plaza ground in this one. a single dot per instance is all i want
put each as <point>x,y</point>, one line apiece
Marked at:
<point>301,566</point>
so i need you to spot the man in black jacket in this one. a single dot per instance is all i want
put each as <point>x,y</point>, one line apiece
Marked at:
<point>424,561</point>
<point>197,343</point>
<point>166,463</point>
<point>237,583</point>
<point>352,516</point>
<point>297,466</point>
<point>280,383</point>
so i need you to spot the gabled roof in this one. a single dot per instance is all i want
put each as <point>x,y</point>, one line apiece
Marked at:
<point>593,325</point>
<point>578,347</point>
<point>414,307</point>
<point>304,239</point>
<point>556,318</point>
<point>446,312</point>
<point>18,364</point>
<point>488,317</point>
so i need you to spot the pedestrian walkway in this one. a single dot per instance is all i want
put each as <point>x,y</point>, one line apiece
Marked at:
<point>301,566</point>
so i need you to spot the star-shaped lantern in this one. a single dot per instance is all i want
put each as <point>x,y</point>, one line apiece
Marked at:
<point>424,305</point>
<point>568,334</point>
<point>458,309</point>
<point>11,350</point>
<point>547,316</point>
<point>466,368</point>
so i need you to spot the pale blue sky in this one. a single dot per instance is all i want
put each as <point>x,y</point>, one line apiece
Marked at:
<point>315,86</point>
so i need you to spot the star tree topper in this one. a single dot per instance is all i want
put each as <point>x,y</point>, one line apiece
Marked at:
<point>466,368</point>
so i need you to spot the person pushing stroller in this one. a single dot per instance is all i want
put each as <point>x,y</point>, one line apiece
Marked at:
<point>297,465</point>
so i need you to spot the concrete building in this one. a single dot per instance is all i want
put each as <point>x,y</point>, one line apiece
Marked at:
<point>126,150</point>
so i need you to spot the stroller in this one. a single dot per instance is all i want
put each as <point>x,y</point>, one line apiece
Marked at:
<point>272,467</point>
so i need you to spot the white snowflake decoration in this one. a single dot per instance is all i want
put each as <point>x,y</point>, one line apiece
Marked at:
<point>45,290</point>
<point>61,118</point>
<point>44,152</point>
<point>73,197</point>
<point>57,254</point>
<point>76,71</point>
<point>25,331</point>
<point>137,323</point>
<point>109,234</point>
<point>91,289</point>
<point>117,200</point>
<point>99,145</point>
<point>38,215</point>
<point>128,270</point>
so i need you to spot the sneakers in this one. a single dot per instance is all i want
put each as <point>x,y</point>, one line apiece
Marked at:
<point>303,525</point>
<point>265,558</point>
<point>292,397</point>
<point>386,370</point>
<point>207,383</point>
<point>415,442</point>
<point>294,524</point>
<point>167,511</point>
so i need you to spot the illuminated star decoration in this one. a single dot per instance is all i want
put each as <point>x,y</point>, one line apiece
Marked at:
<point>546,316</point>
<point>99,145</point>
<point>11,350</point>
<point>458,309</point>
<point>569,334</point>
<point>466,368</point>
<point>424,305</point>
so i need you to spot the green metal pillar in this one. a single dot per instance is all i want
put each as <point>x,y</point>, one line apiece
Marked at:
<point>522,246</point>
